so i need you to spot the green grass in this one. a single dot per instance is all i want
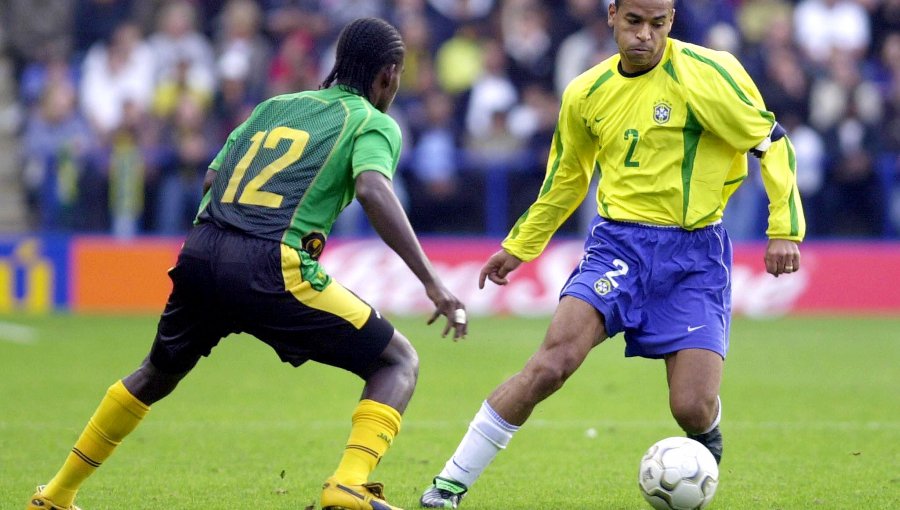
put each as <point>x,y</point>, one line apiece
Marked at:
<point>812,419</point>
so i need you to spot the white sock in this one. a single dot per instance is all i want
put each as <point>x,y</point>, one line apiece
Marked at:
<point>715,422</point>
<point>488,434</point>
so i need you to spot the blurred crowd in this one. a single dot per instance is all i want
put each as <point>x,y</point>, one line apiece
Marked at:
<point>123,103</point>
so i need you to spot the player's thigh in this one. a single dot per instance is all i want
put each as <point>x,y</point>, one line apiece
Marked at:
<point>576,328</point>
<point>694,374</point>
<point>191,324</point>
<point>330,325</point>
<point>399,351</point>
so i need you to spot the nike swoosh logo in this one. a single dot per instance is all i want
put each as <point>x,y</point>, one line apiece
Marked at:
<point>695,328</point>
<point>598,119</point>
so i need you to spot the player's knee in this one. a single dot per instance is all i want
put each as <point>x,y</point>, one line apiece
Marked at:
<point>406,357</point>
<point>549,373</point>
<point>149,384</point>
<point>694,414</point>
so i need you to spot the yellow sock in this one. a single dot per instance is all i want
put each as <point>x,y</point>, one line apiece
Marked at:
<point>374,427</point>
<point>117,415</point>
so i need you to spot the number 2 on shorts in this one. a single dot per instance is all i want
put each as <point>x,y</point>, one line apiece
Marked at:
<point>621,271</point>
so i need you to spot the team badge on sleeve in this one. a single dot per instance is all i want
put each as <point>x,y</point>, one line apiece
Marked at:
<point>661,112</point>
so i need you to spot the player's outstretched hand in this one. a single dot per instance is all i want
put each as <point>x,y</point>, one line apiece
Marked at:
<point>497,267</point>
<point>782,257</point>
<point>447,305</point>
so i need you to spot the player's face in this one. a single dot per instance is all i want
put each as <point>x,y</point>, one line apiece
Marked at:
<point>389,84</point>
<point>641,28</point>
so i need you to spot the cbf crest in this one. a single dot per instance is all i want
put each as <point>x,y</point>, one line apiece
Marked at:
<point>662,112</point>
<point>603,286</point>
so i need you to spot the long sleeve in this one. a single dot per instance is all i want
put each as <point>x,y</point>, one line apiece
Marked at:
<point>569,168</point>
<point>779,173</point>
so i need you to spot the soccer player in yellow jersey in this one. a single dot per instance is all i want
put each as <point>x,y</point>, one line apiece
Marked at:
<point>668,126</point>
<point>250,264</point>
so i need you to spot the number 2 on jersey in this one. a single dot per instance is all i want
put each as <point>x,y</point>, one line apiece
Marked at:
<point>635,137</point>
<point>251,195</point>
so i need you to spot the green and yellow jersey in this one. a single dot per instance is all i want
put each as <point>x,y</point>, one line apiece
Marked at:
<point>670,146</point>
<point>287,172</point>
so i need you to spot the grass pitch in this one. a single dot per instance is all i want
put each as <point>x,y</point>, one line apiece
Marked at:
<point>811,419</point>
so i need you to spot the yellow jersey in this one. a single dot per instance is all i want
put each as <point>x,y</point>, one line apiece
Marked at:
<point>670,145</point>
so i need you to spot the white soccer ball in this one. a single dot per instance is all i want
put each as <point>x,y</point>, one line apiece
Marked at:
<point>678,473</point>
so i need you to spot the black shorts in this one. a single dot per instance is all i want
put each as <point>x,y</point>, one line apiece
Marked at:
<point>228,282</point>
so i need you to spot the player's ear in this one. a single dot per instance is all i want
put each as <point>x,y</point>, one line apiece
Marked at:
<point>611,14</point>
<point>390,71</point>
<point>383,78</point>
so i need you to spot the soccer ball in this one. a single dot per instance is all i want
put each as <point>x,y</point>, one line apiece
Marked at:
<point>678,473</point>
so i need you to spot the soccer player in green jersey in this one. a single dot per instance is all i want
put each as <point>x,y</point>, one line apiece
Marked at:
<point>250,265</point>
<point>668,126</point>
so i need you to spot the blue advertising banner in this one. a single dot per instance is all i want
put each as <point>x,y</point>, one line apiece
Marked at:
<point>34,273</point>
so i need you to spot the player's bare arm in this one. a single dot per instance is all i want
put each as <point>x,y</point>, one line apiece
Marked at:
<point>498,267</point>
<point>376,195</point>
<point>782,256</point>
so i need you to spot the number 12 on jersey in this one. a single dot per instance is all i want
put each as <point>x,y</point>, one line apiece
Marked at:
<point>251,194</point>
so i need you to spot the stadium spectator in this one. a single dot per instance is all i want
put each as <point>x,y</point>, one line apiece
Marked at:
<point>286,17</point>
<point>447,16</point>
<point>53,66</point>
<point>785,85</point>
<point>189,146</point>
<point>885,23</point>
<point>419,75</point>
<point>29,38</point>
<point>753,18</point>
<point>823,26</point>
<point>767,27</point>
<point>115,74</point>
<point>579,51</point>
<point>296,64</point>
<point>853,200</point>
<point>528,43</point>
<point>697,17</point>
<point>181,51</point>
<point>890,89</point>
<point>341,12</point>
<point>95,21</point>
<point>233,101</point>
<point>723,37</point>
<point>433,178</point>
<point>841,92</point>
<point>54,143</point>
<point>492,91</point>
<point>459,60</point>
<point>240,43</point>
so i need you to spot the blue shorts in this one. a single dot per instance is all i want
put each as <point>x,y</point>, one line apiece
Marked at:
<point>666,288</point>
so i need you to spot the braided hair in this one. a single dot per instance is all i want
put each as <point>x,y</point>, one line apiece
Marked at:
<point>364,47</point>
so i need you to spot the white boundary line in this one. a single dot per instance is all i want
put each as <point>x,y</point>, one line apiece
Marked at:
<point>17,333</point>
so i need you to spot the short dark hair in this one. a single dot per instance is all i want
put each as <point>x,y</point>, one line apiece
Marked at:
<point>617,3</point>
<point>364,47</point>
